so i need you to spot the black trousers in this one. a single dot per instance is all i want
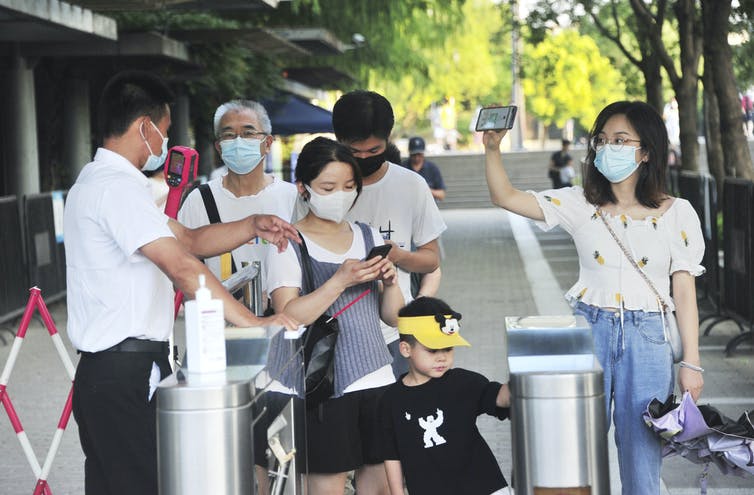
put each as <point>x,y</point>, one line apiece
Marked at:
<point>117,421</point>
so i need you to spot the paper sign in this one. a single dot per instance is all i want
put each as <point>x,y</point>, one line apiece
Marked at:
<point>57,215</point>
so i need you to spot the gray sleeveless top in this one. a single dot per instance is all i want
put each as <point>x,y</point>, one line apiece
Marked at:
<point>361,348</point>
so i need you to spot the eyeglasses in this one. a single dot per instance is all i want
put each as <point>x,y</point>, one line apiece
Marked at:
<point>598,142</point>
<point>246,134</point>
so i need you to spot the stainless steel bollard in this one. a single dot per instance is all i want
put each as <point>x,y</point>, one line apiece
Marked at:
<point>204,435</point>
<point>558,425</point>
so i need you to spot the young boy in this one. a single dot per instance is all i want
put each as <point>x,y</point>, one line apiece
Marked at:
<point>430,414</point>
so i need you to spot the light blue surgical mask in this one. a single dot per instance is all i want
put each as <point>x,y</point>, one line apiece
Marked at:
<point>616,166</point>
<point>241,155</point>
<point>153,161</point>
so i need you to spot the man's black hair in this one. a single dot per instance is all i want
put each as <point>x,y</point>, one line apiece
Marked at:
<point>361,114</point>
<point>392,153</point>
<point>128,96</point>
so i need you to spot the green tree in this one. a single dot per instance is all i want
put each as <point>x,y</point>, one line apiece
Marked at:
<point>468,64</point>
<point>743,54</point>
<point>567,77</point>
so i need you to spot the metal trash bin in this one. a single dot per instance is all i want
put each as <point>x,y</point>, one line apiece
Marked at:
<point>204,435</point>
<point>558,425</point>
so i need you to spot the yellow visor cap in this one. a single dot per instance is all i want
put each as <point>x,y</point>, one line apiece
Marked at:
<point>431,333</point>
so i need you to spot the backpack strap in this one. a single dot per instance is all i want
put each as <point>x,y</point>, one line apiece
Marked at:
<point>213,215</point>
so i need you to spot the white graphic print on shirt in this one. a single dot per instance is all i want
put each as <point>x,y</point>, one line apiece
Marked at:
<point>430,424</point>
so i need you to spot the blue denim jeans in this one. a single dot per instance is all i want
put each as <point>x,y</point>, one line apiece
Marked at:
<point>638,367</point>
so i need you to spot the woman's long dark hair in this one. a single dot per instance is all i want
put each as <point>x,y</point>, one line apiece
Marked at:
<point>650,188</point>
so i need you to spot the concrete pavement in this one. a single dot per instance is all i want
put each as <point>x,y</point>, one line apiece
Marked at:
<point>494,267</point>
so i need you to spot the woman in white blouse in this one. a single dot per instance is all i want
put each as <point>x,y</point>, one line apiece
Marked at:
<point>343,432</point>
<point>624,181</point>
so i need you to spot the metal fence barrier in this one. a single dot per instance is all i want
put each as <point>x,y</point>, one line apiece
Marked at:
<point>738,280</point>
<point>701,191</point>
<point>44,241</point>
<point>13,275</point>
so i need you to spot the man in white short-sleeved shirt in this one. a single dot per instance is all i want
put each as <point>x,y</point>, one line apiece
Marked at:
<point>123,257</point>
<point>243,133</point>
<point>394,200</point>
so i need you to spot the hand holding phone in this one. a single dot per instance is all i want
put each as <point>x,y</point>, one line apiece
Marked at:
<point>496,118</point>
<point>379,251</point>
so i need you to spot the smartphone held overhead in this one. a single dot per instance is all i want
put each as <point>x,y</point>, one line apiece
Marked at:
<point>496,118</point>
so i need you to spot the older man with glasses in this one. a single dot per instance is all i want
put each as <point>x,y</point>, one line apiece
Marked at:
<point>243,139</point>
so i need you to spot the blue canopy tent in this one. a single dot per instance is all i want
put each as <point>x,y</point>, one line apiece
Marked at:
<point>291,114</point>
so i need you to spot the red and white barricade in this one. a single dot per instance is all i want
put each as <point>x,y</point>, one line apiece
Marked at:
<point>41,472</point>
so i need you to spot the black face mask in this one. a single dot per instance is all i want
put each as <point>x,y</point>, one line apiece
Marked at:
<point>369,165</point>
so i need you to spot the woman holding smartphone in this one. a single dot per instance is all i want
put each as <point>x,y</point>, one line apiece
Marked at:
<point>624,188</point>
<point>342,433</point>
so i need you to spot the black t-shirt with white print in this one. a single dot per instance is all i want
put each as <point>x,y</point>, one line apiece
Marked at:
<point>431,428</point>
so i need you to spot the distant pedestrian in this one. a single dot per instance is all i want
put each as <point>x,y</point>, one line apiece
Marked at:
<point>561,166</point>
<point>430,414</point>
<point>747,109</point>
<point>624,187</point>
<point>427,169</point>
<point>672,122</point>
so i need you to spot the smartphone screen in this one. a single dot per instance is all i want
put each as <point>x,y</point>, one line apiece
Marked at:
<point>496,118</point>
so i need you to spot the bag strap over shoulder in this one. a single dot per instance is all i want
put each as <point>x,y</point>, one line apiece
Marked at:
<point>631,259</point>
<point>307,276</point>
<point>213,214</point>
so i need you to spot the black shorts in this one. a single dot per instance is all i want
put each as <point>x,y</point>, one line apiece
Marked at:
<point>343,434</point>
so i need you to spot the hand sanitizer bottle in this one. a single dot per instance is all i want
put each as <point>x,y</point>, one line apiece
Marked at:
<point>205,332</point>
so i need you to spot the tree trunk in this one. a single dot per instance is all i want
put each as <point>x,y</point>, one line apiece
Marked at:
<point>653,84</point>
<point>715,161</point>
<point>684,84</point>
<point>650,68</point>
<point>735,149</point>
<point>686,87</point>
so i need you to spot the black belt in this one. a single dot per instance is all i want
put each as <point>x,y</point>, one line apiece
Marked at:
<point>133,344</point>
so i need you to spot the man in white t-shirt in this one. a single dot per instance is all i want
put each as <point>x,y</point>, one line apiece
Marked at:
<point>243,132</point>
<point>123,257</point>
<point>394,199</point>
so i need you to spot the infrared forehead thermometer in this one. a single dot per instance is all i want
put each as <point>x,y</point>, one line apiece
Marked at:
<point>180,171</point>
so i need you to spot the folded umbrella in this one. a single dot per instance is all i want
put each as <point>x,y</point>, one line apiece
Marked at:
<point>703,435</point>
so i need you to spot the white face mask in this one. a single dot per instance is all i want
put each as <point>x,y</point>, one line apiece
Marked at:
<point>154,161</point>
<point>333,206</point>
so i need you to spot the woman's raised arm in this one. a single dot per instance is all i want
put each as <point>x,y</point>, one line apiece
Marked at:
<point>502,192</point>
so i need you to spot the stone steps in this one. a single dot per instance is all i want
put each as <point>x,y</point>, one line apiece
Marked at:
<point>466,185</point>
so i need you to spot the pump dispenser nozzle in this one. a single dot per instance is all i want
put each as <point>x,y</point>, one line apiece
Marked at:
<point>202,293</point>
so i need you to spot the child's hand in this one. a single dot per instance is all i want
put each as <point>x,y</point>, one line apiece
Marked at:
<point>503,396</point>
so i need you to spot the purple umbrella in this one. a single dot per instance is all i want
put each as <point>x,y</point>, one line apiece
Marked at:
<point>703,435</point>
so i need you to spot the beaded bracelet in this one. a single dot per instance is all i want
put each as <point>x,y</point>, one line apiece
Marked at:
<point>684,364</point>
